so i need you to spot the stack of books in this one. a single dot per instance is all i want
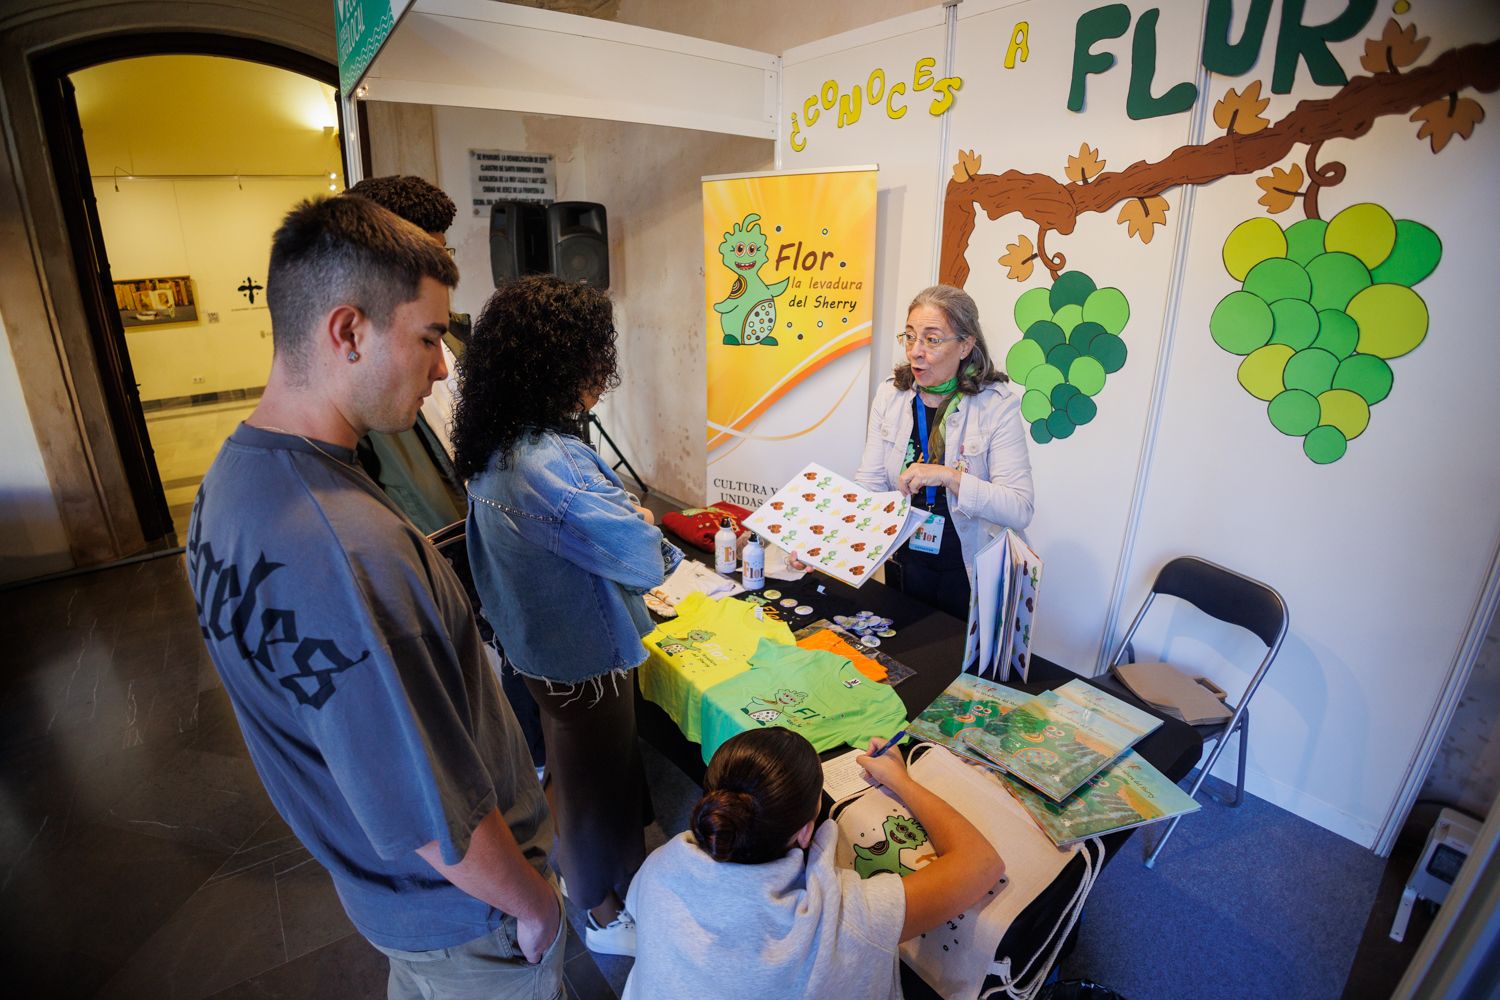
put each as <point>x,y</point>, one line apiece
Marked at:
<point>1065,754</point>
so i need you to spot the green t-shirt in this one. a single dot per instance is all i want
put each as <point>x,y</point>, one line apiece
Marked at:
<point>811,691</point>
<point>708,642</point>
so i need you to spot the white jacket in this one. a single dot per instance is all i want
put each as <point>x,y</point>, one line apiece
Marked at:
<point>985,431</point>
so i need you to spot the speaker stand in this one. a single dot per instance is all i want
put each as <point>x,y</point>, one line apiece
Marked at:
<point>594,421</point>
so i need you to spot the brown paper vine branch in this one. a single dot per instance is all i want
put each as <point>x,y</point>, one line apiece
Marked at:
<point>1428,94</point>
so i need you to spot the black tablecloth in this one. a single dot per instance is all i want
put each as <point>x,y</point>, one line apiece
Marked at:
<point>931,643</point>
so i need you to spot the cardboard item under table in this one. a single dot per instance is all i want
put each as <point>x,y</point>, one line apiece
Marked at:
<point>1172,691</point>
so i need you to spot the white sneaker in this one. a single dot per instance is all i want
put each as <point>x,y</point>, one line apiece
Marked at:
<point>618,938</point>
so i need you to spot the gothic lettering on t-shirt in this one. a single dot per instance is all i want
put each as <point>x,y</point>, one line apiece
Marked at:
<point>227,610</point>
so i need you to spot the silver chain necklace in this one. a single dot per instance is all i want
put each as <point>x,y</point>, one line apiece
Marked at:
<point>322,451</point>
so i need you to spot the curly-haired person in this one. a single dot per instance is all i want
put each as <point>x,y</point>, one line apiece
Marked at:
<point>561,556</point>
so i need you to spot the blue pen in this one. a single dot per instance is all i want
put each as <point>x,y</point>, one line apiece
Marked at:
<point>888,744</point>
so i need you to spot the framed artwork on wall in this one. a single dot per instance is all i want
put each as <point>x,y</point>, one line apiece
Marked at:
<point>156,301</point>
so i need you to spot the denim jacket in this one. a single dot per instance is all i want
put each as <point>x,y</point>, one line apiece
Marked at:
<point>560,558</point>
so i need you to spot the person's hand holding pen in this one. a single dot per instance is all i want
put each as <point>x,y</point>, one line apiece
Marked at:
<point>887,768</point>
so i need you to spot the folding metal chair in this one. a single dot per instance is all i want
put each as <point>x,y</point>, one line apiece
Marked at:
<point>1237,600</point>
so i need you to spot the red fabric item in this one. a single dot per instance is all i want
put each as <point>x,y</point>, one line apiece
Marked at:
<point>698,525</point>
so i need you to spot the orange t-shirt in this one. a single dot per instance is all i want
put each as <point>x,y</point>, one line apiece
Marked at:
<point>832,642</point>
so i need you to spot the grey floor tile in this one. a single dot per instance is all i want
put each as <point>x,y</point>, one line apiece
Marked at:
<point>346,969</point>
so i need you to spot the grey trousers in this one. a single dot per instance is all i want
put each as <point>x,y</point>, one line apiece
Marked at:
<point>491,967</point>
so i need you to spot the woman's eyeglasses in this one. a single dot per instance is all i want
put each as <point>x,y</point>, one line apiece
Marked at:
<point>930,342</point>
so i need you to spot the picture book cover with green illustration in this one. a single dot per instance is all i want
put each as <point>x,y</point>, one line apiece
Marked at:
<point>1128,793</point>
<point>969,703</point>
<point>1051,743</point>
<point>1083,693</point>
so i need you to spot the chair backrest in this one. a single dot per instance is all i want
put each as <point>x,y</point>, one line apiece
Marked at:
<point>1226,595</point>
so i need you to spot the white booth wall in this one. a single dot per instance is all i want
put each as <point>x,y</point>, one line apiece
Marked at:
<point>1383,556</point>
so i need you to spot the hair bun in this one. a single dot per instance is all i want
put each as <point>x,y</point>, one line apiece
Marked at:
<point>721,820</point>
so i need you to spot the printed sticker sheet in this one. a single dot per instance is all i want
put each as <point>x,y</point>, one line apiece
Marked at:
<point>835,525</point>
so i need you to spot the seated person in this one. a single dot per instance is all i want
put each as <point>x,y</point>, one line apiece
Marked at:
<point>748,903</point>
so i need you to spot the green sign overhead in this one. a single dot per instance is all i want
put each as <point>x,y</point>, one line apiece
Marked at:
<point>361,27</point>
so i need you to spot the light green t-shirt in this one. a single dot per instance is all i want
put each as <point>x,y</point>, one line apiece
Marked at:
<point>810,691</point>
<point>708,642</point>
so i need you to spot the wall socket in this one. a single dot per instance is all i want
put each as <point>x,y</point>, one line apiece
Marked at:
<point>197,379</point>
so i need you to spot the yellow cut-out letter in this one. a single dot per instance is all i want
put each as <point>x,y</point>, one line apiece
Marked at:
<point>830,94</point>
<point>891,111</point>
<point>797,146</point>
<point>810,111</point>
<point>872,94</point>
<point>850,107</point>
<point>944,90</point>
<point>1019,43</point>
<point>922,78</point>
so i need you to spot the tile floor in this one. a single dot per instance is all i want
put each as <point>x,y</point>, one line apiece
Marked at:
<point>186,439</point>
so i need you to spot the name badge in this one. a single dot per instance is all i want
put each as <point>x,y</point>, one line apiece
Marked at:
<point>929,535</point>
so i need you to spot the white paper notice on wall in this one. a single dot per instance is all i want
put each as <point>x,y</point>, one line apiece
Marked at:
<point>498,175</point>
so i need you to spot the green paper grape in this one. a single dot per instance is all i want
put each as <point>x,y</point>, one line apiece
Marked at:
<point>1365,231</point>
<point>1368,376</point>
<point>1081,409</point>
<point>1392,320</point>
<point>1023,356</point>
<point>1071,288</point>
<point>1035,405</point>
<point>1296,323</point>
<point>1059,424</point>
<point>1032,306</point>
<point>1336,278</point>
<point>1346,410</point>
<point>1109,308</point>
<point>1088,374</point>
<point>1304,240</point>
<point>1061,393</point>
<point>1046,333</point>
<point>1261,371</point>
<point>1068,317</point>
<point>1109,351</point>
<point>1325,444</point>
<point>1278,278</point>
<point>1083,334</point>
<point>1241,322</point>
<point>1062,357</point>
<point>1337,333</point>
<point>1039,432</point>
<point>1414,257</point>
<point>1044,378</point>
<point>1250,243</point>
<point>1311,371</point>
<point>1294,412</point>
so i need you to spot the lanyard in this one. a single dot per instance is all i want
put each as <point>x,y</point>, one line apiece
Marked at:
<point>922,448</point>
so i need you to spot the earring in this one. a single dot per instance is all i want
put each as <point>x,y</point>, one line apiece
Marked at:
<point>353,356</point>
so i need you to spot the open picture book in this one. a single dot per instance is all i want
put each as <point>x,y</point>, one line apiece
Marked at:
<point>1002,605</point>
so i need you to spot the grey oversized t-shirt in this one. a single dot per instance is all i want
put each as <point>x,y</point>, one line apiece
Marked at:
<point>350,654</point>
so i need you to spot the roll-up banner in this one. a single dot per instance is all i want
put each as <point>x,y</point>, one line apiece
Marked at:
<point>789,266</point>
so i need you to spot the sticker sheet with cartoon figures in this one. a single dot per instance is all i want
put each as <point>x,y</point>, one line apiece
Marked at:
<point>835,525</point>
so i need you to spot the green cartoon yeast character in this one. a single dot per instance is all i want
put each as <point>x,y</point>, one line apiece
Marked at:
<point>748,313</point>
<point>901,834</point>
<point>777,709</point>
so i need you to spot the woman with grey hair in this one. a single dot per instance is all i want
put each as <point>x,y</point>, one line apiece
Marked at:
<point>946,429</point>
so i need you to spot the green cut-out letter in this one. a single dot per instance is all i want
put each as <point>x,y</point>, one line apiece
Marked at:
<point>1309,43</point>
<point>1138,101</point>
<point>1095,26</point>
<point>1234,58</point>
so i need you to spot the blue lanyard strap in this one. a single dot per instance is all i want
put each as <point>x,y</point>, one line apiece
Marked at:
<point>922,448</point>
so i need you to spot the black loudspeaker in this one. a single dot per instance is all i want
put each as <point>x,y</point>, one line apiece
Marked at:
<point>519,242</point>
<point>567,238</point>
<point>579,234</point>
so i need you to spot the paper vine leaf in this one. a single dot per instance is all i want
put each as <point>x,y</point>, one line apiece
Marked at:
<point>1019,259</point>
<point>1085,165</point>
<point>967,165</point>
<point>1282,188</point>
<point>1239,111</point>
<point>1141,216</point>
<point>1444,118</point>
<point>1396,47</point>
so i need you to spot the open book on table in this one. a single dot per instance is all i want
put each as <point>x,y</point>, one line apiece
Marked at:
<point>1002,605</point>
<point>1126,794</point>
<point>835,525</point>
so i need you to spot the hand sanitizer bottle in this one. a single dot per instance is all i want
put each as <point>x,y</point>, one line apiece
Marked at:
<point>725,548</point>
<point>753,573</point>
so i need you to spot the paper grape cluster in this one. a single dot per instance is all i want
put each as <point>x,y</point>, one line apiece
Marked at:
<point>1071,343</point>
<point>1322,309</point>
